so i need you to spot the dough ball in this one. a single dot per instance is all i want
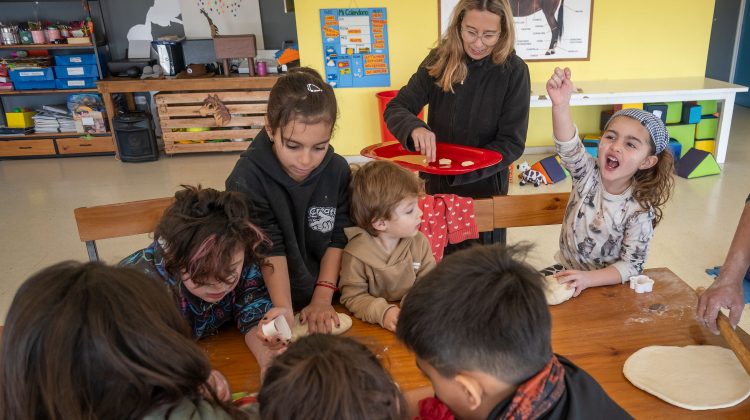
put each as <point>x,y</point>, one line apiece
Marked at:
<point>300,330</point>
<point>691,377</point>
<point>555,292</point>
<point>467,163</point>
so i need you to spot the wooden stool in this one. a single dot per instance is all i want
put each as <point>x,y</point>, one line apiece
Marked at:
<point>235,46</point>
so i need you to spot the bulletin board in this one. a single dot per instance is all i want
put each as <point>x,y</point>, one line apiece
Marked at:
<point>534,33</point>
<point>355,47</point>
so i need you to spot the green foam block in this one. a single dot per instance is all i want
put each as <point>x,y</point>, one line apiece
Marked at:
<point>683,133</point>
<point>706,128</point>
<point>674,112</point>
<point>708,166</point>
<point>708,107</point>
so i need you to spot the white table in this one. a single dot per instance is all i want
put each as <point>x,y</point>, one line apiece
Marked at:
<point>607,92</point>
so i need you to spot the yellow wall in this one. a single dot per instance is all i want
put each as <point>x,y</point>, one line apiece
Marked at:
<point>630,40</point>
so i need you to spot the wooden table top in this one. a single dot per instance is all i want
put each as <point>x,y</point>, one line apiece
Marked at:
<point>598,331</point>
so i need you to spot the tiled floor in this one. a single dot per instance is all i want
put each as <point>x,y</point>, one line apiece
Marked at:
<point>38,197</point>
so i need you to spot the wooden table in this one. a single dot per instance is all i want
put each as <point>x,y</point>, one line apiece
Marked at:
<point>128,86</point>
<point>598,331</point>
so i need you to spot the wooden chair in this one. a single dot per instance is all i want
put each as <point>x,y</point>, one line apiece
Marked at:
<point>508,211</point>
<point>116,220</point>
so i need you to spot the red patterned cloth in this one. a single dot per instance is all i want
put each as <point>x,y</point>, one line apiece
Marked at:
<point>532,399</point>
<point>447,218</point>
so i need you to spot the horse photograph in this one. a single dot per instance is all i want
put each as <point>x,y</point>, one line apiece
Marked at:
<point>552,29</point>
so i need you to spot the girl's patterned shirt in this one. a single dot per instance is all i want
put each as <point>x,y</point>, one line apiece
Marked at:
<point>246,304</point>
<point>600,229</point>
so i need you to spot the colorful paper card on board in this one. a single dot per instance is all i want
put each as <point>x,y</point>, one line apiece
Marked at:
<point>355,47</point>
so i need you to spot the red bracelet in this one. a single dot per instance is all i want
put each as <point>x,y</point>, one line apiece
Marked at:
<point>328,285</point>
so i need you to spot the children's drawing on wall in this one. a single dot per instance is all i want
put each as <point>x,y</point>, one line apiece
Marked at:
<point>162,13</point>
<point>545,29</point>
<point>230,17</point>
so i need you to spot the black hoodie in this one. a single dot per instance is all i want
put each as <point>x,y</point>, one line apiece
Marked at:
<point>489,110</point>
<point>302,219</point>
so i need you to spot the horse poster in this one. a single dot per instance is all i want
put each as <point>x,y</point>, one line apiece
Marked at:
<point>551,30</point>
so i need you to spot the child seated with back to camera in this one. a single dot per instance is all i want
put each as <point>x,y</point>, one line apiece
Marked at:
<point>480,328</point>
<point>386,253</point>
<point>617,198</point>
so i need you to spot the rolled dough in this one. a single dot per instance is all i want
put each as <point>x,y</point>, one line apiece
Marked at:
<point>691,377</point>
<point>300,330</point>
<point>555,292</point>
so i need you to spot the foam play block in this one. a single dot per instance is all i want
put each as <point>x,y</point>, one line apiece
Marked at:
<point>604,118</point>
<point>697,163</point>
<point>691,113</point>
<point>592,147</point>
<point>706,145</point>
<point>708,107</point>
<point>555,172</point>
<point>676,148</point>
<point>658,109</point>
<point>559,161</point>
<point>674,112</point>
<point>539,168</point>
<point>628,106</point>
<point>684,133</point>
<point>706,128</point>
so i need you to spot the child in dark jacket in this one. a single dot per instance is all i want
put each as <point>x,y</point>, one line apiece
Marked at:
<point>298,190</point>
<point>480,328</point>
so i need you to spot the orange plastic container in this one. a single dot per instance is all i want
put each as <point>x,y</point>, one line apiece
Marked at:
<point>383,98</point>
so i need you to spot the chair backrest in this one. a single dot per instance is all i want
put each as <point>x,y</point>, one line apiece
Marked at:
<point>507,211</point>
<point>117,220</point>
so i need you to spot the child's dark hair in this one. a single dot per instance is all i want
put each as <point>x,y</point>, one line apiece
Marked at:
<point>329,377</point>
<point>301,95</point>
<point>480,309</point>
<point>96,342</point>
<point>652,187</point>
<point>202,229</point>
<point>377,188</point>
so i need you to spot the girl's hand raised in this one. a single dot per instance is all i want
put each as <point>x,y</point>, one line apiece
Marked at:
<point>560,87</point>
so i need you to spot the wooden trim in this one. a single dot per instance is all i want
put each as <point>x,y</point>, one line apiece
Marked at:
<point>258,121</point>
<point>249,133</point>
<point>122,219</point>
<point>529,210</point>
<point>212,84</point>
<point>74,145</point>
<point>27,147</point>
<point>194,110</point>
<point>229,146</point>
<point>234,96</point>
<point>484,210</point>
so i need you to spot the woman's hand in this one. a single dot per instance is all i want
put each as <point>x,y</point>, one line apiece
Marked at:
<point>424,142</point>
<point>560,87</point>
<point>573,278</point>
<point>274,343</point>
<point>319,317</point>
<point>723,293</point>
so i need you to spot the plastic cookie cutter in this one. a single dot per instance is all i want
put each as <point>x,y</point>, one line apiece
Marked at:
<point>642,284</point>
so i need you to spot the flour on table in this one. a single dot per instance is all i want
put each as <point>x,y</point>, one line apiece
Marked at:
<point>691,377</point>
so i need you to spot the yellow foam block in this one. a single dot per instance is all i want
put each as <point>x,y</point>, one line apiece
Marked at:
<point>706,145</point>
<point>634,106</point>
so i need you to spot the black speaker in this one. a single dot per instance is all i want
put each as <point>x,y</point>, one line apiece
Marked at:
<point>135,137</point>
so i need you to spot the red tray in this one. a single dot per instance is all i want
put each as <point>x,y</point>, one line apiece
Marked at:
<point>393,151</point>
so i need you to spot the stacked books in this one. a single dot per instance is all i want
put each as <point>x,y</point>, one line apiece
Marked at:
<point>54,119</point>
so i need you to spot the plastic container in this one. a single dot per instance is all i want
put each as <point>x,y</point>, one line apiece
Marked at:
<point>383,98</point>
<point>32,75</point>
<point>80,83</point>
<point>38,37</point>
<point>20,119</point>
<point>76,72</point>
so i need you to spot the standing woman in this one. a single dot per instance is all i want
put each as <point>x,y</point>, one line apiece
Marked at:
<point>478,91</point>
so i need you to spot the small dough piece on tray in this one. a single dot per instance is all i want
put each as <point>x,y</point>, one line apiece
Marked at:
<point>300,330</point>
<point>466,163</point>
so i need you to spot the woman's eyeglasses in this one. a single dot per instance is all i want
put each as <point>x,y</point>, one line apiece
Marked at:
<point>488,39</point>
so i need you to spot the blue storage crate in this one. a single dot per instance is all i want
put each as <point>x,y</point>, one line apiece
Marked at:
<point>76,72</point>
<point>75,59</point>
<point>32,75</point>
<point>81,83</point>
<point>39,84</point>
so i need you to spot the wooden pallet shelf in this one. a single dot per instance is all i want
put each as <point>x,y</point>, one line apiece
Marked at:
<point>181,111</point>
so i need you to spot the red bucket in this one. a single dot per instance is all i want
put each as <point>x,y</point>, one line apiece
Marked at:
<point>383,98</point>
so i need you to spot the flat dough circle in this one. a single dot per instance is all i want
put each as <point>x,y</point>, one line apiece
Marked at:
<point>692,377</point>
<point>555,292</point>
<point>300,330</point>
